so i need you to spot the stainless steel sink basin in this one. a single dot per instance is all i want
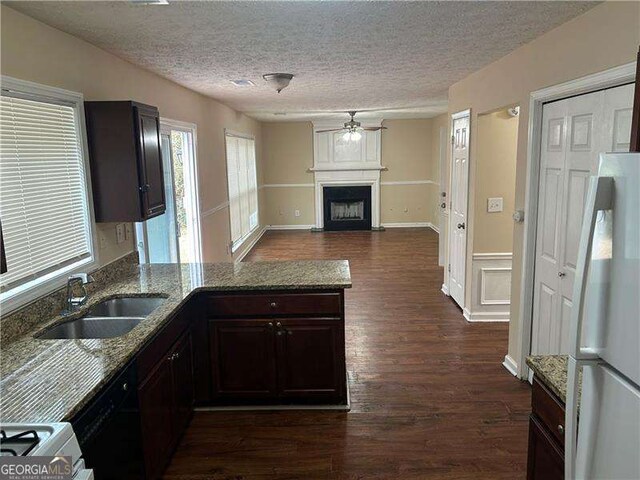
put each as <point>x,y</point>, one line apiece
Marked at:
<point>108,319</point>
<point>126,307</point>
<point>92,327</point>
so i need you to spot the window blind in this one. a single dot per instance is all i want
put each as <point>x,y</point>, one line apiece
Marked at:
<point>43,192</point>
<point>243,187</point>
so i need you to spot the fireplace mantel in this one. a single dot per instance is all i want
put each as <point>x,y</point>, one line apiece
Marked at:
<point>337,162</point>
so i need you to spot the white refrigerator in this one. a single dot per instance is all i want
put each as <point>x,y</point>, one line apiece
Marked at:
<point>602,435</point>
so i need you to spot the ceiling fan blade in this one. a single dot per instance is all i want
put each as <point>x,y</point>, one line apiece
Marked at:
<point>374,129</point>
<point>331,130</point>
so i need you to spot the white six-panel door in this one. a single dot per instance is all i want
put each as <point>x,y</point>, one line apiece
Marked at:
<point>574,133</point>
<point>458,217</point>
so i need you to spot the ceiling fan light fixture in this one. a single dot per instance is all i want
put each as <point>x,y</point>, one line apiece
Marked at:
<point>279,81</point>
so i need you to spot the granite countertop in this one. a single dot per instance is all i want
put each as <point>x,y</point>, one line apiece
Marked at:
<point>51,380</point>
<point>552,371</point>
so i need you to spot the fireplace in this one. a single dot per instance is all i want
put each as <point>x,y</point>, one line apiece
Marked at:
<point>347,208</point>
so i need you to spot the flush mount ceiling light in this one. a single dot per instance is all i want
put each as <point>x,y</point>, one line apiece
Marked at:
<point>279,81</point>
<point>243,83</point>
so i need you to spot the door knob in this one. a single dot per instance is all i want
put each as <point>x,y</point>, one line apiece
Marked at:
<point>561,274</point>
<point>461,226</point>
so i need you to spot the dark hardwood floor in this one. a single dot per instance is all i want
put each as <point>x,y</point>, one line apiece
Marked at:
<point>430,398</point>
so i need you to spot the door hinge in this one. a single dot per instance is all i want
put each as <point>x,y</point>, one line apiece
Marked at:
<point>449,268</point>
<point>453,139</point>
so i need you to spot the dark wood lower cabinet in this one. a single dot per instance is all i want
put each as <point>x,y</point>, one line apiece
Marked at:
<point>242,358</point>
<point>268,351</point>
<point>546,429</point>
<point>165,398</point>
<point>310,358</point>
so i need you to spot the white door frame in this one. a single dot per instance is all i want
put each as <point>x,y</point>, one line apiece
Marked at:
<point>194,192</point>
<point>443,198</point>
<point>609,78</point>
<point>445,285</point>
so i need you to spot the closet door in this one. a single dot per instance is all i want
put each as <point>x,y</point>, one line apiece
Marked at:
<point>574,133</point>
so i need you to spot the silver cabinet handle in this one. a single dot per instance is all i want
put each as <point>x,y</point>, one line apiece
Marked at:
<point>273,304</point>
<point>270,324</point>
<point>278,325</point>
<point>561,429</point>
<point>561,274</point>
<point>125,386</point>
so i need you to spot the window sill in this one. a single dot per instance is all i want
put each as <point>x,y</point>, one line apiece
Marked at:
<point>238,243</point>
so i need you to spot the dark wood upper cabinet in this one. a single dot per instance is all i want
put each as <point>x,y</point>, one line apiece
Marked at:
<point>126,161</point>
<point>635,118</point>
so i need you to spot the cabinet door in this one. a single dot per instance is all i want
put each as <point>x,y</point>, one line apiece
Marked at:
<point>310,358</point>
<point>151,174</point>
<point>243,358</point>
<point>546,459</point>
<point>182,376</point>
<point>155,396</point>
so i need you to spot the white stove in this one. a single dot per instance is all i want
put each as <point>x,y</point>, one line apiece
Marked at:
<point>43,439</point>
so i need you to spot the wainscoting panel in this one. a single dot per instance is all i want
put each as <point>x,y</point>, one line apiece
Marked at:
<point>491,288</point>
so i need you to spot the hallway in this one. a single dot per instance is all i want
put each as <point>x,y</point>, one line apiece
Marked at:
<point>430,398</point>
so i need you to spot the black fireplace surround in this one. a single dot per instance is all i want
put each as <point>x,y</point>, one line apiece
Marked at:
<point>347,208</point>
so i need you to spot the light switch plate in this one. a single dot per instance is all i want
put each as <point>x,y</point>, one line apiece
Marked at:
<point>120,232</point>
<point>494,204</point>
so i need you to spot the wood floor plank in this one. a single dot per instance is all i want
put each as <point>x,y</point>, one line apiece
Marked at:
<point>430,398</point>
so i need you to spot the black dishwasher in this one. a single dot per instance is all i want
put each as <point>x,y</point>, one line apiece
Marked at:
<point>109,430</point>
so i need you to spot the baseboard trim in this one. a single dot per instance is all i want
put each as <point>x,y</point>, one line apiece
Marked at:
<point>250,245</point>
<point>485,316</point>
<point>511,365</point>
<point>411,225</point>
<point>445,289</point>
<point>289,227</point>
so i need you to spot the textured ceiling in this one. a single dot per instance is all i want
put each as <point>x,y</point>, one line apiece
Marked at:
<point>344,55</point>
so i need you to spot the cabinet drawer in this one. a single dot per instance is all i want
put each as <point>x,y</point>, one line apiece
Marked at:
<point>240,305</point>
<point>547,407</point>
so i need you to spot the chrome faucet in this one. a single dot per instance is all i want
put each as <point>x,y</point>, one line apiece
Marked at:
<point>74,302</point>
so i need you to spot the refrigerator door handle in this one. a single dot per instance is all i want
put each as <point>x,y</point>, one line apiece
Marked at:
<point>599,197</point>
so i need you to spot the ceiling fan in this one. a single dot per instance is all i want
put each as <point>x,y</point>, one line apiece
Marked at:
<point>352,128</point>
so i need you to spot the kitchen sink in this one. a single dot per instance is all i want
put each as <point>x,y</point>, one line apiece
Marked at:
<point>107,319</point>
<point>91,327</point>
<point>126,307</point>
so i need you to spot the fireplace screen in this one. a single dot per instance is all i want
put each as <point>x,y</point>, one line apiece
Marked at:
<point>347,211</point>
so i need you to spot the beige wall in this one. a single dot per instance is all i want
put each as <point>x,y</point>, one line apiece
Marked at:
<point>495,177</point>
<point>287,152</point>
<point>604,37</point>
<point>408,151</point>
<point>31,50</point>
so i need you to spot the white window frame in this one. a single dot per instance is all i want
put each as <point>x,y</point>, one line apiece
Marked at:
<point>19,296</point>
<point>235,246</point>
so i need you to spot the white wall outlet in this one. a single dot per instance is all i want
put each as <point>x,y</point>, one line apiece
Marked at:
<point>128,231</point>
<point>494,204</point>
<point>120,232</point>
<point>296,213</point>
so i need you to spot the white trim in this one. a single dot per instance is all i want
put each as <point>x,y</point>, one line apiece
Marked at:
<point>347,169</point>
<point>445,289</point>
<point>233,133</point>
<point>493,256</point>
<point>461,114</point>
<point>289,227</point>
<point>250,245</point>
<point>58,278</point>
<point>609,78</point>
<point>410,225</point>
<point>511,365</point>
<point>374,183</point>
<point>483,283</point>
<point>286,185</point>
<point>488,317</point>
<point>411,182</point>
<point>215,209</point>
